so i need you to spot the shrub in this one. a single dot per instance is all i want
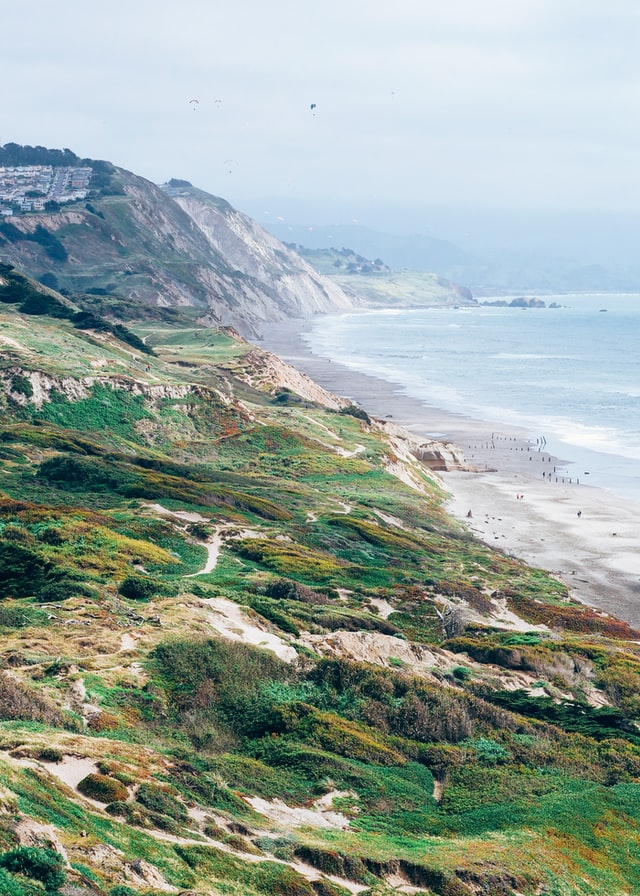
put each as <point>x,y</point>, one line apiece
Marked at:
<point>22,385</point>
<point>54,592</point>
<point>489,751</point>
<point>214,686</point>
<point>139,587</point>
<point>44,865</point>
<point>286,589</point>
<point>158,800</point>
<point>353,410</point>
<point>103,721</point>
<point>78,472</point>
<point>9,886</point>
<point>50,754</point>
<point>20,702</point>
<point>18,617</point>
<point>51,535</point>
<point>103,789</point>
<point>22,572</point>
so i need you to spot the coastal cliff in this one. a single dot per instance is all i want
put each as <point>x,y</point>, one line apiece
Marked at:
<point>172,248</point>
<point>245,650</point>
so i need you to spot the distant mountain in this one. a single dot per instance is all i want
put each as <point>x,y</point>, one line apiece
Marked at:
<point>416,252</point>
<point>547,254</point>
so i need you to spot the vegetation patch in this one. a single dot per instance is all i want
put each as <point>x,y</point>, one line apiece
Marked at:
<point>103,788</point>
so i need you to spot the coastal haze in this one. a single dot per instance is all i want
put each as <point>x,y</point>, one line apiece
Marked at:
<point>319,446</point>
<point>492,106</point>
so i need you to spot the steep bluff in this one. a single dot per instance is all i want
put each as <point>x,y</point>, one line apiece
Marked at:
<point>140,243</point>
<point>289,281</point>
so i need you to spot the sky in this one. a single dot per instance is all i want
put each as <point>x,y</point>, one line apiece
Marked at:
<point>493,103</point>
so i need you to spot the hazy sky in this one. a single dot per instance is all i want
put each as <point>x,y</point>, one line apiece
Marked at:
<point>501,102</point>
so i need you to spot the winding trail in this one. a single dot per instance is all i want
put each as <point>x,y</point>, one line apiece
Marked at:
<point>212,546</point>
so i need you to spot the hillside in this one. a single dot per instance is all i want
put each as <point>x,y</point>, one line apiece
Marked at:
<point>245,651</point>
<point>374,284</point>
<point>133,240</point>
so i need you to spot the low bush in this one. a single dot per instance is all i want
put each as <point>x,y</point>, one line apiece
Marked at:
<point>22,571</point>
<point>139,587</point>
<point>215,686</point>
<point>50,754</point>
<point>43,865</point>
<point>20,702</point>
<point>103,721</point>
<point>19,617</point>
<point>9,886</point>
<point>286,589</point>
<point>161,801</point>
<point>103,789</point>
<point>22,385</point>
<point>55,592</point>
<point>352,410</point>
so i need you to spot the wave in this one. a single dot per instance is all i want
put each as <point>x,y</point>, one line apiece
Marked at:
<point>531,356</point>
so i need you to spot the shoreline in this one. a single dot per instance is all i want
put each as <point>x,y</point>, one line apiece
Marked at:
<point>587,537</point>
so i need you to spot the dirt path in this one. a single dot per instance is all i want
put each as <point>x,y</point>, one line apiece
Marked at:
<point>212,546</point>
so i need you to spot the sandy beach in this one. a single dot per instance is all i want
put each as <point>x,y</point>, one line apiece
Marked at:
<point>523,500</point>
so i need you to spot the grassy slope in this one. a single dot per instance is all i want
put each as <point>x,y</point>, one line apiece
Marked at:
<point>373,282</point>
<point>530,737</point>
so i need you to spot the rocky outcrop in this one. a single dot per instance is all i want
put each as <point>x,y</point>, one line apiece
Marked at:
<point>435,456</point>
<point>441,456</point>
<point>520,302</point>
<point>267,372</point>
<point>43,386</point>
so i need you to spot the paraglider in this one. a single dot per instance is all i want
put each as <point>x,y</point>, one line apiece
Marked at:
<point>194,103</point>
<point>312,108</point>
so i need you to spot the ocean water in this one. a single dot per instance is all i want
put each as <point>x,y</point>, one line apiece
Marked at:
<point>568,375</point>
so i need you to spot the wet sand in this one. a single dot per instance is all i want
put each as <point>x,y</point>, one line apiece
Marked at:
<point>588,537</point>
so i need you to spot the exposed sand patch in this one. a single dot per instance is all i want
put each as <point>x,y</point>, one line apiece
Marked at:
<point>374,647</point>
<point>402,472</point>
<point>230,621</point>
<point>390,520</point>
<point>7,340</point>
<point>505,618</point>
<point>33,833</point>
<point>187,515</point>
<point>71,770</point>
<point>343,452</point>
<point>384,607</point>
<point>319,816</point>
<point>127,643</point>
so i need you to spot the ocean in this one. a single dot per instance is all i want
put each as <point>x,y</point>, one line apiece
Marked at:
<point>568,376</point>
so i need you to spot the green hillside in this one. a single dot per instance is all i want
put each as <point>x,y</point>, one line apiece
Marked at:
<point>159,247</point>
<point>374,284</point>
<point>245,651</point>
